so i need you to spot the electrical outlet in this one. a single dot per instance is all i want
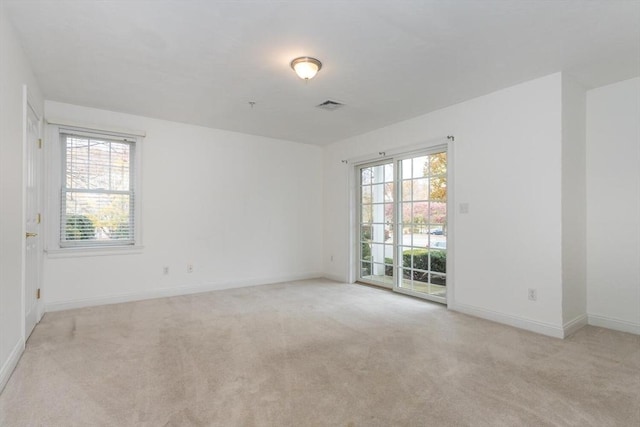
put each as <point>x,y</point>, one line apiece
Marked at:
<point>189,268</point>
<point>533,294</point>
<point>165,270</point>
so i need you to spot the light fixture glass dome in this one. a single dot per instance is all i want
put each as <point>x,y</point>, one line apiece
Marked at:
<point>305,67</point>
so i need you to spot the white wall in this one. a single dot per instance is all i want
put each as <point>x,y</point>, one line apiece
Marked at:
<point>15,71</point>
<point>574,203</point>
<point>507,166</point>
<point>243,209</point>
<point>613,205</point>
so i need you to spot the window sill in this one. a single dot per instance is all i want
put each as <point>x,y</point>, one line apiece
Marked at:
<point>90,252</point>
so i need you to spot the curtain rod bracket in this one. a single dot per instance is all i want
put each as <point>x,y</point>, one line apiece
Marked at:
<point>451,138</point>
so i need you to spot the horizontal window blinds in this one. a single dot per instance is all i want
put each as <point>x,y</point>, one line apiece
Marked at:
<point>97,196</point>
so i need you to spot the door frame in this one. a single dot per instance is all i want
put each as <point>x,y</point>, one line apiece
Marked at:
<point>446,143</point>
<point>28,103</point>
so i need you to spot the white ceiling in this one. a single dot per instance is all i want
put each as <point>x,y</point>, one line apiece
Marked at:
<point>201,62</point>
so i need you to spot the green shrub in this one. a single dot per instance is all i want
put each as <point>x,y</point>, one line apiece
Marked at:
<point>421,260</point>
<point>365,253</point>
<point>121,231</point>
<point>79,227</point>
<point>366,232</point>
<point>439,261</point>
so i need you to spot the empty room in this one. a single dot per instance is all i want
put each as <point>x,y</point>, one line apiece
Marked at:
<point>319,213</point>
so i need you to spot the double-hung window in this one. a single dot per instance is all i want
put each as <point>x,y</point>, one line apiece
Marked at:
<point>98,191</point>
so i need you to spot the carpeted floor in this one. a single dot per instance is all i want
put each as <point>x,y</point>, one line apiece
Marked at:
<point>314,353</point>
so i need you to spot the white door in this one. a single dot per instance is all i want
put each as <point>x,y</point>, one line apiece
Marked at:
<point>33,252</point>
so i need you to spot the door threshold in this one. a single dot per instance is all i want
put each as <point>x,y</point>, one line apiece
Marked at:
<point>417,295</point>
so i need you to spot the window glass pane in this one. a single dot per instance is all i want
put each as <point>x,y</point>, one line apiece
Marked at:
<point>365,233</point>
<point>438,213</point>
<point>406,213</point>
<point>389,234</point>
<point>388,192</point>
<point>377,252</point>
<point>388,172</point>
<point>420,259</point>
<point>366,194</point>
<point>365,176</point>
<point>97,164</point>
<point>378,233</point>
<point>77,160</point>
<point>79,227</point>
<point>421,189</point>
<point>378,269</point>
<point>407,237</point>
<point>120,173</point>
<point>97,198</point>
<point>406,190</point>
<point>99,167</point>
<point>366,213</point>
<point>108,215</point>
<point>377,174</point>
<point>388,253</point>
<point>438,188</point>
<point>420,276</point>
<point>388,213</point>
<point>365,269</point>
<point>438,236</point>
<point>439,279</point>
<point>438,163</point>
<point>406,168</point>
<point>365,251</point>
<point>377,193</point>
<point>377,213</point>
<point>420,167</point>
<point>438,261</point>
<point>421,213</point>
<point>388,272</point>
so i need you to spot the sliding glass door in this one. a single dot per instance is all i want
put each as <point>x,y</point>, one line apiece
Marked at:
<point>403,224</point>
<point>376,212</point>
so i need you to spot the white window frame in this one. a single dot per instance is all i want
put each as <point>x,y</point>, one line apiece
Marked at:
<point>56,172</point>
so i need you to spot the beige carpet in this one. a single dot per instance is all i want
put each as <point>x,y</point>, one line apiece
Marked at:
<point>314,353</point>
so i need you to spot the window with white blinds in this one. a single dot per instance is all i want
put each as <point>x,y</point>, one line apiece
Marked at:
<point>97,200</point>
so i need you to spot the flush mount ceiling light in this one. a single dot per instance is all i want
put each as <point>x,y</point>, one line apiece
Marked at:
<point>306,68</point>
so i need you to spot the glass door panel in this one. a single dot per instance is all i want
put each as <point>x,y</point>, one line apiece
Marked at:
<point>377,191</point>
<point>422,249</point>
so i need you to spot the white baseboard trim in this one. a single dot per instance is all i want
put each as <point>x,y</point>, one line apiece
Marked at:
<point>10,364</point>
<point>506,319</point>
<point>574,325</point>
<point>173,291</point>
<point>615,324</point>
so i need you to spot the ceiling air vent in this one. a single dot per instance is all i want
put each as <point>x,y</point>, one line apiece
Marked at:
<point>330,105</point>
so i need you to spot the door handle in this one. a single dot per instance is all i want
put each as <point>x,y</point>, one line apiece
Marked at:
<point>31,234</point>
